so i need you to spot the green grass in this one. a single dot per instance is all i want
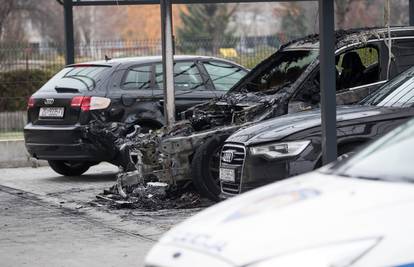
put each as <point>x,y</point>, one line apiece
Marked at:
<point>10,135</point>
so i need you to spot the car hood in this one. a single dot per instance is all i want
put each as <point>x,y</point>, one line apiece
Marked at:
<point>311,210</point>
<point>283,126</point>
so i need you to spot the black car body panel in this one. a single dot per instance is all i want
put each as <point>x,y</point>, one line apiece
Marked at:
<point>356,126</point>
<point>131,85</point>
<point>289,125</point>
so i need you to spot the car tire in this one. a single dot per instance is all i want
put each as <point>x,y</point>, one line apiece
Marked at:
<point>69,168</point>
<point>205,167</point>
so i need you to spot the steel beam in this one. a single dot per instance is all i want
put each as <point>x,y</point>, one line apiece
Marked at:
<point>69,39</point>
<point>327,78</point>
<point>168,62</point>
<point>157,2</point>
<point>411,11</point>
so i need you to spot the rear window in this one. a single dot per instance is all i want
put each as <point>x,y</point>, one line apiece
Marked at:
<point>80,78</point>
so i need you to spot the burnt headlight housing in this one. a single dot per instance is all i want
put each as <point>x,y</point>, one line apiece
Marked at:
<point>280,150</point>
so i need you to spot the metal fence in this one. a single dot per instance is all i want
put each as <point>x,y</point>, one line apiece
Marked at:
<point>13,121</point>
<point>24,67</point>
<point>246,51</point>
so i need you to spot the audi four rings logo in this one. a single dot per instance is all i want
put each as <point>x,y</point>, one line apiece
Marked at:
<point>49,101</point>
<point>228,156</point>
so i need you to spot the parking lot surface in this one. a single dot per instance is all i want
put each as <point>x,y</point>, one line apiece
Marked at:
<point>51,220</point>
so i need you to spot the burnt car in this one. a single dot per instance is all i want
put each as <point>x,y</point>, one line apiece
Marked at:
<point>128,90</point>
<point>290,145</point>
<point>286,82</point>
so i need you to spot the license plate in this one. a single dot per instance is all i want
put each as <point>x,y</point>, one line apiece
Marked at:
<point>51,112</point>
<point>227,175</point>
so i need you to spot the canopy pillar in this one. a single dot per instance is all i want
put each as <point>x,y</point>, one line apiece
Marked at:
<point>327,79</point>
<point>69,39</point>
<point>168,61</point>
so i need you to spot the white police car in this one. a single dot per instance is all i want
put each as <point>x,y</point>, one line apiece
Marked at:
<point>356,212</point>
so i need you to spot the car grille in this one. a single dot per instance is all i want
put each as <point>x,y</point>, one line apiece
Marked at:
<point>232,156</point>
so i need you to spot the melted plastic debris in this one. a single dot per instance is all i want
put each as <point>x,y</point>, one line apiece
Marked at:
<point>152,196</point>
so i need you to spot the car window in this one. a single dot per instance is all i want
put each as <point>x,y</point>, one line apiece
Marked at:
<point>357,67</point>
<point>393,153</point>
<point>186,76</point>
<point>138,78</point>
<point>284,68</point>
<point>396,93</point>
<point>79,77</point>
<point>403,52</point>
<point>354,68</point>
<point>223,75</point>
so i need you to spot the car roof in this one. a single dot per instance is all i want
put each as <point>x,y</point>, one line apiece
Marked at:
<point>150,59</point>
<point>344,37</point>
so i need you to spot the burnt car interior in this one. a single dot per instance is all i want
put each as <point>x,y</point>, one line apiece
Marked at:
<point>356,67</point>
<point>285,70</point>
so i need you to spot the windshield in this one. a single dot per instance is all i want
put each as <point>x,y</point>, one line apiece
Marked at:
<point>80,78</point>
<point>396,93</point>
<point>284,69</point>
<point>389,158</point>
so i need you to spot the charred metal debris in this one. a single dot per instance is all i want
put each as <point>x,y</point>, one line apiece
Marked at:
<point>165,155</point>
<point>152,196</point>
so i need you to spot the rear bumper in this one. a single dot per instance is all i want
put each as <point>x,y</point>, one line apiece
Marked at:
<point>60,143</point>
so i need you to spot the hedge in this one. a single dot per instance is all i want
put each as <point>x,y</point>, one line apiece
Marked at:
<point>18,85</point>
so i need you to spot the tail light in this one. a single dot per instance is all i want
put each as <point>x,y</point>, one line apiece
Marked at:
<point>86,103</point>
<point>30,102</point>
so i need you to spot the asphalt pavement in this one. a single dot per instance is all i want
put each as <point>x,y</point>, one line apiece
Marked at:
<point>50,220</point>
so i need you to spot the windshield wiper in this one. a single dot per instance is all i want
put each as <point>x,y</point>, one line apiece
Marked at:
<point>78,78</point>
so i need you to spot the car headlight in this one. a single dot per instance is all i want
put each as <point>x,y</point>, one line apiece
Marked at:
<point>280,150</point>
<point>341,254</point>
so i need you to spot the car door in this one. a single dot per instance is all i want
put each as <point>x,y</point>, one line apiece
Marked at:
<point>132,86</point>
<point>375,53</point>
<point>191,86</point>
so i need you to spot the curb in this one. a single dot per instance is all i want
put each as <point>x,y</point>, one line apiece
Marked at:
<point>13,154</point>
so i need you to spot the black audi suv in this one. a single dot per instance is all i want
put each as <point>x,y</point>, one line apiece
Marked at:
<point>128,90</point>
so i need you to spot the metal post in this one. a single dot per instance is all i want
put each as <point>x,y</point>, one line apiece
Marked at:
<point>411,10</point>
<point>168,61</point>
<point>69,40</point>
<point>328,85</point>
